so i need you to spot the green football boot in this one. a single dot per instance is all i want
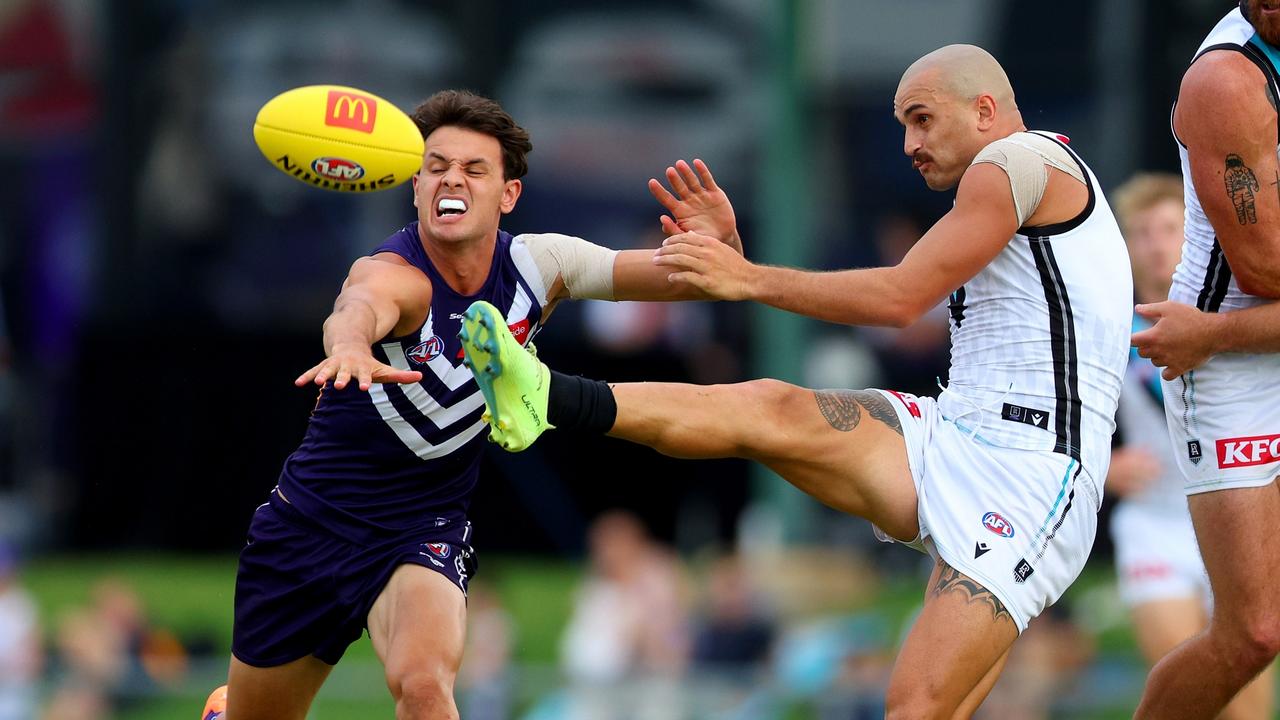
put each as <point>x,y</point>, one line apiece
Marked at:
<point>514,382</point>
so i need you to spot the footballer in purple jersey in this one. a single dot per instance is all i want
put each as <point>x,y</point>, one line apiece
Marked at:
<point>367,528</point>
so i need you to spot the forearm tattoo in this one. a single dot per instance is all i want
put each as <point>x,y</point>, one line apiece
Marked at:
<point>1241,185</point>
<point>952,580</point>
<point>843,408</point>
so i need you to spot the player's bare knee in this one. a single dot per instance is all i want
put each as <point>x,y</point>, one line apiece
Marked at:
<point>905,701</point>
<point>423,694</point>
<point>1258,641</point>
<point>775,400</point>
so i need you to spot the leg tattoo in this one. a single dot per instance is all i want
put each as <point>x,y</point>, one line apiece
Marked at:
<point>951,580</point>
<point>843,408</point>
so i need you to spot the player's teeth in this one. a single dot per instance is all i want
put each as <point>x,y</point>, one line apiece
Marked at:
<point>447,204</point>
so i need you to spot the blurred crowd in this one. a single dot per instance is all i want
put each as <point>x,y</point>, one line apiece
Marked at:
<point>747,633</point>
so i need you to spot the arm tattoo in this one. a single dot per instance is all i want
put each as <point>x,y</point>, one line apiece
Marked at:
<point>1241,185</point>
<point>843,408</point>
<point>951,580</point>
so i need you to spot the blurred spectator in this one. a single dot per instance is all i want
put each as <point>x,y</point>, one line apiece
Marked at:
<point>485,683</point>
<point>629,616</point>
<point>735,633</point>
<point>628,633</point>
<point>110,649</point>
<point>20,659</point>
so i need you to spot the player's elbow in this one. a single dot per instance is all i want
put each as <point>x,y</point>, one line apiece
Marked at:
<point>903,312</point>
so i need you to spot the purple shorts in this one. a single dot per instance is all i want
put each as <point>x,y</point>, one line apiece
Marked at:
<point>303,590</point>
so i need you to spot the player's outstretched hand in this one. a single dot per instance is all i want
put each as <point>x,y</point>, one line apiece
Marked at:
<point>1180,340</point>
<point>698,205</point>
<point>709,265</point>
<point>345,364</point>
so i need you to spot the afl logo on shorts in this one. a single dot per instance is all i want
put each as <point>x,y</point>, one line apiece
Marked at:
<point>440,550</point>
<point>336,168</point>
<point>996,523</point>
<point>425,352</point>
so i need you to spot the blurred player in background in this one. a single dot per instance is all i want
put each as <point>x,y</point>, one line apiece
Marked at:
<point>1161,577</point>
<point>368,526</point>
<point>999,479</point>
<point>1223,416</point>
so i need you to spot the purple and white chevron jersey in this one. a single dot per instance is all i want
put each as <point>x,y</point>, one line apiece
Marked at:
<point>403,458</point>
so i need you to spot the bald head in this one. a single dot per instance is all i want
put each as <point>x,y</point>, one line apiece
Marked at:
<point>962,71</point>
<point>953,102</point>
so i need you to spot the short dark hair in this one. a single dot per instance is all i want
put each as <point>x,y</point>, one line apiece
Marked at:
<point>461,108</point>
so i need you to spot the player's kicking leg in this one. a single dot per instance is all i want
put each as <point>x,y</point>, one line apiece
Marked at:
<point>1241,551</point>
<point>417,625</point>
<point>844,447</point>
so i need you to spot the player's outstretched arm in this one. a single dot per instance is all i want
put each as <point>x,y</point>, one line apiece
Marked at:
<point>1184,338</point>
<point>950,253</point>
<point>698,204</point>
<point>1226,117</point>
<point>381,294</point>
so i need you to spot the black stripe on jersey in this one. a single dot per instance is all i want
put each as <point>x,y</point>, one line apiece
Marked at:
<point>1259,58</point>
<point>1062,340</point>
<point>1078,220</point>
<point>956,306</point>
<point>1217,277</point>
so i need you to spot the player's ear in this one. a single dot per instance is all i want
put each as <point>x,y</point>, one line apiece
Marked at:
<point>510,193</point>
<point>986,111</point>
<point>414,179</point>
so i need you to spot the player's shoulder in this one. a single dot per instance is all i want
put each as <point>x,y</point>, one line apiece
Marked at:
<point>1223,75</point>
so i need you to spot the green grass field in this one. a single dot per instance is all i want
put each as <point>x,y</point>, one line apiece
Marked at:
<point>192,596</point>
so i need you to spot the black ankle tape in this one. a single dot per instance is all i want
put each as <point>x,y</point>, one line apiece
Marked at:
<point>582,404</point>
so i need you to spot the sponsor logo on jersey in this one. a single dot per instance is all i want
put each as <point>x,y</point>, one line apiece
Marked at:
<point>520,330</point>
<point>440,550</point>
<point>351,110</point>
<point>996,523</point>
<point>979,549</point>
<point>336,168</point>
<point>1026,415</point>
<point>425,352</point>
<point>912,406</point>
<point>1246,451</point>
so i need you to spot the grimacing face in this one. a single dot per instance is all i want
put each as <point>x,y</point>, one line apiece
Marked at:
<point>940,131</point>
<point>460,192</point>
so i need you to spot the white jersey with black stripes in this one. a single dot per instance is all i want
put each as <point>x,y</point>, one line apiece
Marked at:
<point>1204,278</point>
<point>1040,338</point>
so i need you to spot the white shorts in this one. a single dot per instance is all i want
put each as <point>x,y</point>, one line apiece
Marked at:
<point>1224,421</point>
<point>1156,555</point>
<point>1020,522</point>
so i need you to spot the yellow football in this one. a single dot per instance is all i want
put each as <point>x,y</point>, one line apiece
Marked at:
<point>338,138</point>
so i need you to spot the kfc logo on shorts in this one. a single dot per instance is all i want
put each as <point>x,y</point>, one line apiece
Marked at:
<point>425,352</point>
<point>440,550</point>
<point>1246,451</point>
<point>996,523</point>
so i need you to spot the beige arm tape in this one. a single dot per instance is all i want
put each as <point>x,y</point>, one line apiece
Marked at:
<point>585,268</point>
<point>1024,157</point>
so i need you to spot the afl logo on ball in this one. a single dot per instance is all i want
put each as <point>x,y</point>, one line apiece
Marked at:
<point>996,523</point>
<point>335,168</point>
<point>440,550</point>
<point>425,352</point>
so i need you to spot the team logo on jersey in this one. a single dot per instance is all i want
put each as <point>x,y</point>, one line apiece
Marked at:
<point>425,352</point>
<point>1022,571</point>
<point>440,550</point>
<point>1246,451</point>
<point>1194,453</point>
<point>996,523</point>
